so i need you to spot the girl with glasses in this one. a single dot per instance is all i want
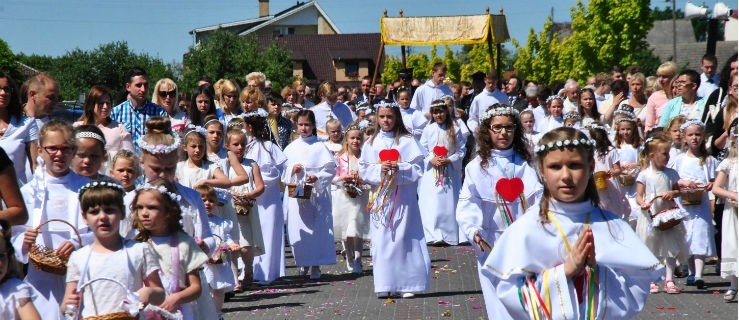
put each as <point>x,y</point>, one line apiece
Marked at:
<point>499,185</point>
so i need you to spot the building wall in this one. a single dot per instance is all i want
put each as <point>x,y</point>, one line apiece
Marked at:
<point>341,73</point>
<point>730,30</point>
<point>297,69</point>
<point>298,29</point>
<point>324,27</point>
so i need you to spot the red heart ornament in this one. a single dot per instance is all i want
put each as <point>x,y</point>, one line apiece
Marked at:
<point>441,151</point>
<point>509,189</point>
<point>389,155</point>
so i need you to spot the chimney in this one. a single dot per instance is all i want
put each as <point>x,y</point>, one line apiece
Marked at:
<point>263,8</point>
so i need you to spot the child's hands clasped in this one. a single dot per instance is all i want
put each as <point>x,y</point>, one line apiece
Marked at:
<point>582,254</point>
<point>388,166</point>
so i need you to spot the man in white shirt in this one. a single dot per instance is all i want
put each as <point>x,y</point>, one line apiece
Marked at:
<point>709,77</point>
<point>432,90</point>
<point>488,97</point>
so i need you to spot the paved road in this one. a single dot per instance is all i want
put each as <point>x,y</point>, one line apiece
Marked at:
<point>455,294</point>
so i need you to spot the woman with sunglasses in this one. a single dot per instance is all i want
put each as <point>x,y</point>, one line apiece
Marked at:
<point>165,95</point>
<point>98,105</point>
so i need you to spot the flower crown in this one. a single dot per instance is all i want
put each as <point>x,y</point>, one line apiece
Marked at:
<point>599,127</point>
<point>692,122</point>
<point>100,184</point>
<point>256,113</point>
<point>439,104</point>
<point>195,129</point>
<point>361,126</point>
<point>287,113</point>
<point>554,97</point>
<point>233,123</point>
<point>287,105</point>
<point>385,104</point>
<point>573,115</point>
<point>446,96</point>
<point>499,111</point>
<point>162,189</point>
<point>91,135</point>
<point>625,119</point>
<point>367,109</point>
<point>544,147</point>
<point>648,140</point>
<point>159,148</point>
<point>627,110</point>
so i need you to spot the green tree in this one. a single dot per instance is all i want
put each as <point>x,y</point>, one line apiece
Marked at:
<point>9,61</point>
<point>225,55</point>
<point>604,33</point>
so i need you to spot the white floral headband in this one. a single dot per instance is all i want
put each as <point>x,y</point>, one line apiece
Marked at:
<point>595,126</point>
<point>572,115</point>
<point>159,148</point>
<point>162,189</point>
<point>650,139</point>
<point>256,113</point>
<point>100,184</point>
<point>440,104</point>
<point>361,126</point>
<point>499,111</point>
<point>91,135</point>
<point>625,112</point>
<point>446,96</point>
<point>385,104</point>
<point>195,129</point>
<point>564,143</point>
<point>625,119</point>
<point>366,108</point>
<point>554,97</point>
<point>287,113</point>
<point>692,122</point>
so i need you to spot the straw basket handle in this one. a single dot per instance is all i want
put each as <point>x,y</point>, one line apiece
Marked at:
<point>219,238</point>
<point>79,239</point>
<point>103,278</point>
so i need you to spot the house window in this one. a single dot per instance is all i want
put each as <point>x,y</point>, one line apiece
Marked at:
<point>351,69</point>
<point>282,31</point>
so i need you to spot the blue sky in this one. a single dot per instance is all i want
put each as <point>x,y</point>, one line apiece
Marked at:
<point>160,27</point>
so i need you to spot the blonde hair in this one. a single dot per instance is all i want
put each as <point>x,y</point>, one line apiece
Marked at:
<point>327,89</point>
<point>650,146</point>
<point>156,99</point>
<point>58,126</point>
<point>128,155</point>
<point>254,95</point>
<point>668,68</point>
<point>226,87</point>
<point>258,77</point>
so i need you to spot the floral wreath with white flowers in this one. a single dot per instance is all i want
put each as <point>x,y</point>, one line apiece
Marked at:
<point>162,189</point>
<point>361,126</point>
<point>159,148</point>
<point>195,129</point>
<point>625,119</point>
<point>385,104</point>
<point>259,112</point>
<point>91,135</point>
<point>563,144</point>
<point>554,97</point>
<point>499,111</point>
<point>692,122</point>
<point>100,184</point>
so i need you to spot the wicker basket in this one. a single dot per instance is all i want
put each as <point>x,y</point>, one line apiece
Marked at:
<point>669,224</point>
<point>626,180</point>
<point>692,197</point>
<point>601,180</point>
<point>244,206</point>
<point>220,257</point>
<point>124,315</point>
<point>307,190</point>
<point>46,259</point>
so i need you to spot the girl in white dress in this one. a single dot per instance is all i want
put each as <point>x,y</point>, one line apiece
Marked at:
<point>333,130</point>
<point>158,160</point>
<point>444,146</point>
<point>218,272</point>
<point>528,122</point>
<point>697,169</point>
<point>607,160</point>
<point>271,161</point>
<point>349,199</point>
<point>413,119</point>
<point>567,258</point>
<point>656,190</point>
<point>392,163</point>
<point>157,214</point>
<point>214,140</point>
<point>309,221</point>
<point>195,170</point>
<point>554,120</point>
<point>90,153</point>
<point>16,296</point>
<point>725,187</point>
<point>126,168</point>
<point>628,142</point>
<point>110,256</point>
<point>502,162</point>
<point>673,131</point>
<point>250,238</point>
<point>51,194</point>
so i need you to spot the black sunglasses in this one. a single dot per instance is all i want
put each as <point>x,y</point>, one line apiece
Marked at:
<point>167,93</point>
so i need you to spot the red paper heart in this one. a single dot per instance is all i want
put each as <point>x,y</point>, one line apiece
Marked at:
<point>440,151</point>
<point>389,155</point>
<point>509,189</point>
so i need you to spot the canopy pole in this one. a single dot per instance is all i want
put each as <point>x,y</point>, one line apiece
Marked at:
<point>377,64</point>
<point>490,42</point>
<point>402,53</point>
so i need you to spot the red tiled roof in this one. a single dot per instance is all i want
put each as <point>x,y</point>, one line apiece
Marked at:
<point>320,50</point>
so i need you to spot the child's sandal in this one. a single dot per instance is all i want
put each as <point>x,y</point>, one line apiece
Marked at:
<point>653,288</point>
<point>671,288</point>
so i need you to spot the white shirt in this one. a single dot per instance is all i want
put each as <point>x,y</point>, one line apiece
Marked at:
<point>706,88</point>
<point>427,93</point>
<point>480,103</point>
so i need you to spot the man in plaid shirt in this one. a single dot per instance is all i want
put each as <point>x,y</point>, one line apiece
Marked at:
<point>134,112</point>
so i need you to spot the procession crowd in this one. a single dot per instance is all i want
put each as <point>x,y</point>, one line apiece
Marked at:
<point>579,202</point>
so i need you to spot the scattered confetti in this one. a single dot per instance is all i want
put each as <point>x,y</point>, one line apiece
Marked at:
<point>471,299</point>
<point>348,282</point>
<point>389,301</point>
<point>446,314</point>
<point>444,302</point>
<point>671,308</point>
<point>476,307</point>
<point>715,293</point>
